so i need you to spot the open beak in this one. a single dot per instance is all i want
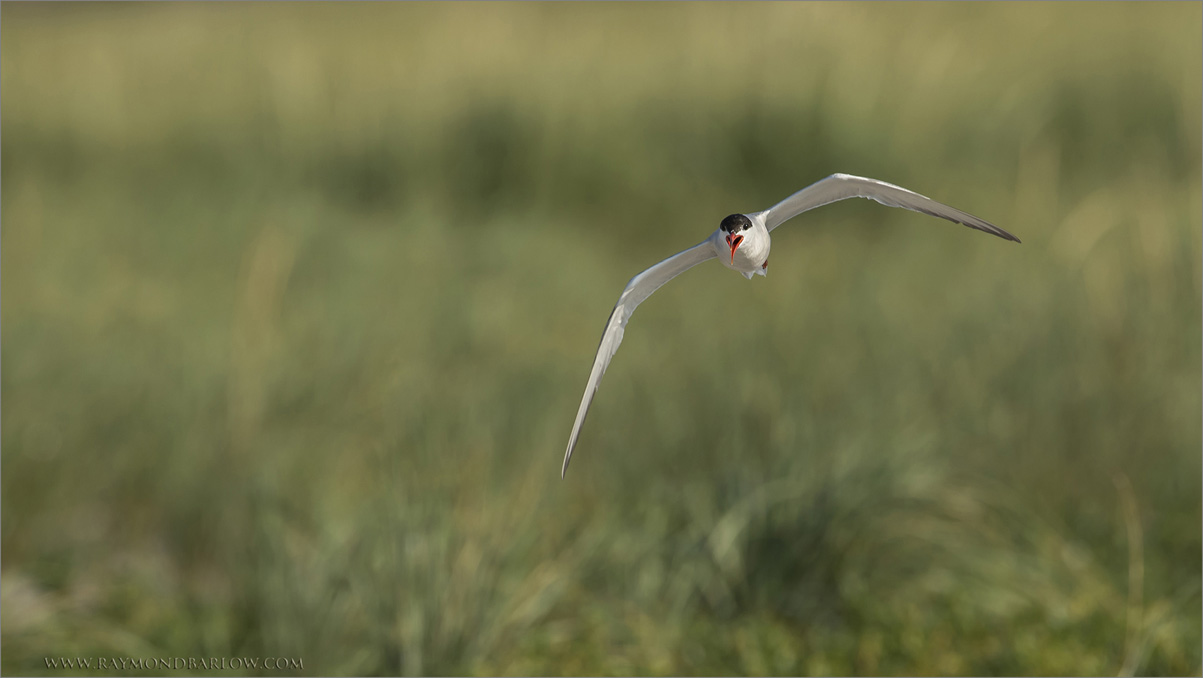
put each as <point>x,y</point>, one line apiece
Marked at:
<point>733,242</point>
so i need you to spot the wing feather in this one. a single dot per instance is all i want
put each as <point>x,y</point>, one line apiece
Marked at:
<point>639,288</point>
<point>844,186</point>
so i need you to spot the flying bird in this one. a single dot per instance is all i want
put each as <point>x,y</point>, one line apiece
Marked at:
<point>742,244</point>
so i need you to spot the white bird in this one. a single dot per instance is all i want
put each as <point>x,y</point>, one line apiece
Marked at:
<point>742,243</point>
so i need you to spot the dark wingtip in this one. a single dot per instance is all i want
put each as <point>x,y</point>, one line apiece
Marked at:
<point>994,230</point>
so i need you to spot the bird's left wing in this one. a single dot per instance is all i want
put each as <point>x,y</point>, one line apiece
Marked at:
<point>640,288</point>
<point>844,186</point>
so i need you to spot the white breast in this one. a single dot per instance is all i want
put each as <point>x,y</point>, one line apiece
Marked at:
<point>751,253</point>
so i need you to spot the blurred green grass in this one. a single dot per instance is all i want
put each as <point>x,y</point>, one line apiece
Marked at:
<point>299,300</point>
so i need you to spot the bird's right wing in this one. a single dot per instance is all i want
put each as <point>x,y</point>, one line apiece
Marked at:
<point>640,288</point>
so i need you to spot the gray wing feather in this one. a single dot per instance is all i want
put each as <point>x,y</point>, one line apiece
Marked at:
<point>639,288</point>
<point>843,186</point>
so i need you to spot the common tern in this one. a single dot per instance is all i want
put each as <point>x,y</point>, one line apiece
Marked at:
<point>742,244</point>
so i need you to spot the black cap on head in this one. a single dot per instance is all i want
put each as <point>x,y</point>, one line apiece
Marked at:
<point>736,222</point>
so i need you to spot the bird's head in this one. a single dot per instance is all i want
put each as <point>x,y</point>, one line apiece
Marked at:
<point>733,228</point>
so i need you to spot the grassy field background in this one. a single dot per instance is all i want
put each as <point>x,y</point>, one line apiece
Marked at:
<point>299,302</point>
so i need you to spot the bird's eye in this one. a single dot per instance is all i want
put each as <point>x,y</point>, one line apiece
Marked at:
<point>746,226</point>
<point>732,222</point>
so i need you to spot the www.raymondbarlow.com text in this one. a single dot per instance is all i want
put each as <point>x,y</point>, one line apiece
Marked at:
<point>177,663</point>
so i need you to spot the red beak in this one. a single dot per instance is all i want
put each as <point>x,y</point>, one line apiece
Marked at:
<point>733,242</point>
